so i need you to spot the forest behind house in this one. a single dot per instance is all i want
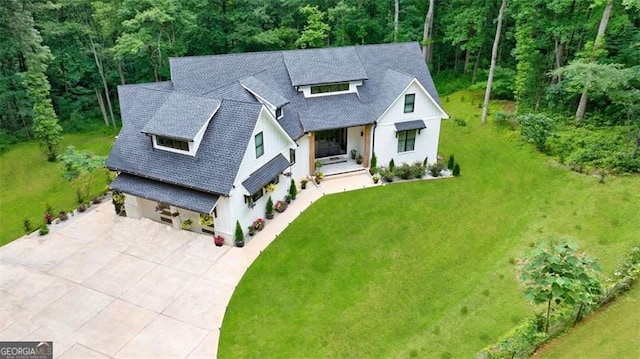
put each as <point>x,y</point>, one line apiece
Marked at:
<point>572,67</point>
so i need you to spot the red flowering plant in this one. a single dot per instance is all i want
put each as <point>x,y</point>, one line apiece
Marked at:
<point>258,224</point>
<point>48,217</point>
<point>218,240</point>
<point>280,206</point>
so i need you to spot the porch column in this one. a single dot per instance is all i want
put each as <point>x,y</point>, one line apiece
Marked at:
<point>367,145</point>
<point>312,152</point>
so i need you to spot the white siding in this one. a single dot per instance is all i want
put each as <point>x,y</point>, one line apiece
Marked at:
<point>426,144</point>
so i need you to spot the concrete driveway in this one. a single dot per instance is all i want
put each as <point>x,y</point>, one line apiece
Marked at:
<point>104,286</point>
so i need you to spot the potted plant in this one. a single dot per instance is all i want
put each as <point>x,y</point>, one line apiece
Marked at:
<point>186,224</point>
<point>117,199</point>
<point>281,206</point>
<point>269,209</point>
<point>353,154</point>
<point>318,164</point>
<point>287,198</point>
<point>252,231</point>
<point>258,224</point>
<point>270,187</point>
<point>239,238</point>
<point>48,217</point>
<point>293,190</point>
<point>359,159</point>
<point>375,178</point>
<point>218,240</point>
<point>205,220</point>
<point>318,177</point>
<point>303,183</point>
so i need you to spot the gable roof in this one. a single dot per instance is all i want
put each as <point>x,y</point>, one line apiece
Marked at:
<point>266,173</point>
<point>258,88</point>
<point>193,111</point>
<point>321,66</point>
<point>214,167</point>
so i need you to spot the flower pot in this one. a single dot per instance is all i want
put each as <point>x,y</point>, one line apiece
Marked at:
<point>218,241</point>
<point>269,215</point>
<point>239,244</point>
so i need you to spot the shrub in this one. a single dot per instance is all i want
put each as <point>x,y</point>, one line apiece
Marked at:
<point>81,207</point>
<point>293,190</point>
<point>392,165</point>
<point>436,168</point>
<point>239,238</point>
<point>44,229</point>
<point>403,171</point>
<point>536,128</point>
<point>386,174</point>
<point>450,162</point>
<point>425,163</point>
<point>186,224</point>
<point>63,216</point>
<point>459,121</point>
<point>417,170</point>
<point>374,163</point>
<point>456,170</point>
<point>625,274</point>
<point>269,208</point>
<point>26,224</point>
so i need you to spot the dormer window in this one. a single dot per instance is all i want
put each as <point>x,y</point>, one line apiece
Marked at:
<point>338,87</point>
<point>279,113</point>
<point>171,143</point>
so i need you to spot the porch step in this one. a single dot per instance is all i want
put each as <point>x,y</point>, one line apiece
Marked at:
<point>346,173</point>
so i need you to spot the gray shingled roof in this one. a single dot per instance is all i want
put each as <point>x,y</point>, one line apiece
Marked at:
<point>259,88</point>
<point>410,125</point>
<point>162,192</point>
<point>181,116</point>
<point>215,166</point>
<point>321,66</point>
<point>385,69</point>
<point>329,112</point>
<point>265,174</point>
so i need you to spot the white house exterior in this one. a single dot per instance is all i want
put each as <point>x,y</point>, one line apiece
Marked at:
<point>208,142</point>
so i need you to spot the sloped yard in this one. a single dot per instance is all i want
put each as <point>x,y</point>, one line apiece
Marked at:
<point>424,269</point>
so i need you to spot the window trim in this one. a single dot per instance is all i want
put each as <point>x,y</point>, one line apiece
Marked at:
<point>409,106</point>
<point>329,88</point>
<point>292,156</point>
<point>174,144</point>
<point>403,137</point>
<point>279,113</point>
<point>259,146</point>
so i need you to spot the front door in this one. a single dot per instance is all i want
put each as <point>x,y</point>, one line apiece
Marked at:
<point>331,142</point>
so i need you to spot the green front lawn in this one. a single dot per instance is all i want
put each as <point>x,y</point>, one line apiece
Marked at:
<point>29,182</point>
<point>611,333</point>
<point>424,269</point>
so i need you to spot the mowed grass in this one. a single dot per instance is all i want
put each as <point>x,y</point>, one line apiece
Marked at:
<point>610,333</point>
<point>28,182</point>
<point>424,269</point>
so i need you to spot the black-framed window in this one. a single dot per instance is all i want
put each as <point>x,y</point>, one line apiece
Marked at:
<point>275,180</point>
<point>279,112</point>
<point>342,86</point>
<point>292,156</point>
<point>171,143</point>
<point>409,102</point>
<point>256,196</point>
<point>259,145</point>
<point>406,140</point>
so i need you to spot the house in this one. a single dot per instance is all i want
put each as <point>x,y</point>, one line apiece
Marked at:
<point>208,142</point>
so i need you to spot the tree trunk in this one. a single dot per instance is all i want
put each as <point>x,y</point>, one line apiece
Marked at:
<point>467,57</point>
<point>582,105</point>
<point>635,150</point>
<point>476,65</point>
<point>494,57</point>
<point>546,325</point>
<point>427,42</point>
<point>103,78</point>
<point>575,322</point>
<point>121,73</point>
<point>102,109</point>
<point>396,14</point>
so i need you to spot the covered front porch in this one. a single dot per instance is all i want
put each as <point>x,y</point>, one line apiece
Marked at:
<point>333,148</point>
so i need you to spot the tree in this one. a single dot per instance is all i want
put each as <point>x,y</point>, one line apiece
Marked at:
<point>427,33</point>
<point>79,166</point>
<point>494,56</point>
<point>582,105</point>
<point>316,31</point>
<point>555,272</point>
